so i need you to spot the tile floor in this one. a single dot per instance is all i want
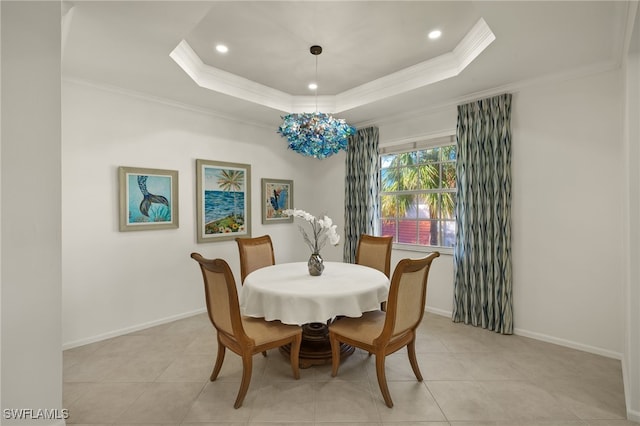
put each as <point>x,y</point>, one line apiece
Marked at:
<point>471,377</point>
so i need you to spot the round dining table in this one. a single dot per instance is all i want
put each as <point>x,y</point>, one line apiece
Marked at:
<point>288,293</point>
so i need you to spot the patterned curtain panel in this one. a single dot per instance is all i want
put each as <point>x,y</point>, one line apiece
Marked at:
<point>482,254</point>
<point>362,186</point>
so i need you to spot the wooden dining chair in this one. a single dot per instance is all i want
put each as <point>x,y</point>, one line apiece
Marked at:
<point>375,252</point>
<point>255,253</point>
<point>383,333</point>
<point>242,335</point>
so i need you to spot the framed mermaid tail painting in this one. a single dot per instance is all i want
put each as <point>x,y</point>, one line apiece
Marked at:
<point>148,199</point>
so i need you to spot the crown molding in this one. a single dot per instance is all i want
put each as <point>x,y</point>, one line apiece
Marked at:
<point>575,73</point>
<point>162,101</point>
<point>425,73</point>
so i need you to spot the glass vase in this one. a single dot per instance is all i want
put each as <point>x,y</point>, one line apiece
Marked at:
<point>315,264</point>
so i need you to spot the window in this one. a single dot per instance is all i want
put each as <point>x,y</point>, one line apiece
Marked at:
<point>418,196</point>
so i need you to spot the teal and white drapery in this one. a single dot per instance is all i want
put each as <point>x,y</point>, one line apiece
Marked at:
<point>362,188</point>
<point>482,254</point>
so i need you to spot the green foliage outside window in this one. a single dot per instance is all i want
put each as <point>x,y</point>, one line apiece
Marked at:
<point>418,196</point>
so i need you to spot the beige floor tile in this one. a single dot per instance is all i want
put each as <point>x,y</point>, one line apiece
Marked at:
<point>72,391</point>
<point>215,424</point>
<point>339,401</point>
<point>415,423</point>
<point>93,369</point>
<point>188,368</point>
<point>464,343</point>
<point>465,401</point>
<point>523,423</point>
<point>589,399</point>
<point>523,400</point>
<point>429,344</point>
<point>397,368</point>
<point>443,366</point>
<point>128,345</point>
<point>203,344</point>
<point>473,377</point>
<point>138,368</point>
<point>291,401</point>
<point>487,366</point>
<point>162,403</point>
<point>104,402</point>
<point>411,402</point>
<point>215,404</point>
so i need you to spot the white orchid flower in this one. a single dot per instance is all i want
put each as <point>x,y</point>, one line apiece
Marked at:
<point>323,229</point>
<point>327,222</point>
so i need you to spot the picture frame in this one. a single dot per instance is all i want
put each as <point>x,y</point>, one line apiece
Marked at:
<point>277,195</point>
<point>148,199</point>
<point>223,200</point>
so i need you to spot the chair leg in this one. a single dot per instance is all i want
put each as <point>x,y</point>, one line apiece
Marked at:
<point>247,366</point>
<point>295,355</point>
<point>219,360</point>
<point>382,379</point>
<point>335,353</point>
<point>411,351</point>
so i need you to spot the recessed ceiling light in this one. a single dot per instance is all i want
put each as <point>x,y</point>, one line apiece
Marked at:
<point>222,48</point>
<point>313,86</point>
<point>435,34</point>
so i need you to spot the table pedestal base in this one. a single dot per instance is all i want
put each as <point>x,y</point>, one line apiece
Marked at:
<point>316,348</point>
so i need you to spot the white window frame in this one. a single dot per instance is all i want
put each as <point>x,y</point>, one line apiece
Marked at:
<point>416,144</point>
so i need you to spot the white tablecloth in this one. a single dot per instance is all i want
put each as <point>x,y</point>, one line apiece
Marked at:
<point>288,293</point>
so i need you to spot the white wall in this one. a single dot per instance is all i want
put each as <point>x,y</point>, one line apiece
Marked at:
<point>568,200</point>
<point>114,281</point>
<point>631,365</point>
<point>31,356</point>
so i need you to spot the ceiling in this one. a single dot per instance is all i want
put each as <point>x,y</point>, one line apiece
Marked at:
<point>377,60</point>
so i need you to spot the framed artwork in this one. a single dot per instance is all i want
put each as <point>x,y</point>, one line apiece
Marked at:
<point>223,200</point>
<point>148,199</point>
<point>277,195</point>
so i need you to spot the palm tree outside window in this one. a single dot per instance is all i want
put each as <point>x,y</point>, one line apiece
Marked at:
<point>418,196</point>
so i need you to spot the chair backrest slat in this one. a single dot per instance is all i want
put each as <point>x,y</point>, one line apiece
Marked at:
<point>221,296</point>
<point>407,295</point>
<point>375,252</point>
<point>255,253</point>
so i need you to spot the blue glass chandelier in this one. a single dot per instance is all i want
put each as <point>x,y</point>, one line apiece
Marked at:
<point>317,134</point>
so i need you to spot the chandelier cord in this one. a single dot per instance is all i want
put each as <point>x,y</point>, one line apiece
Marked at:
<point>316,90</point>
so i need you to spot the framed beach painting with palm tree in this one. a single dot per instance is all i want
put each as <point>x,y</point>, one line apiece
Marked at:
<point>148,199</point>
<point>223,200</point>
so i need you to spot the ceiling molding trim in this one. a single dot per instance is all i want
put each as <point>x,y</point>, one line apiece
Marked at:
<point>163,101</point>
<point>310,104</point>
<point>215,79</point>
<point>425,73</point>
<point>473,44</point>
<point>576,73</point>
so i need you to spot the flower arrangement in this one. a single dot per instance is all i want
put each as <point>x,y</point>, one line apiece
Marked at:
<point>323,230</point>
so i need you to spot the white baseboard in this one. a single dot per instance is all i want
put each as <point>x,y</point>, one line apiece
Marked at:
<point>633,416</point>
<point>546,338</point>
<point>568,343</point>
<point>437,311</point>
<point>127,330</point>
